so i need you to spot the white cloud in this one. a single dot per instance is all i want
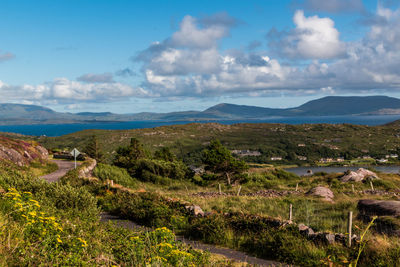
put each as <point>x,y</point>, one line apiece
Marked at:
<point>62,90</point>
<point>313,38</point>
<point>191,36</point>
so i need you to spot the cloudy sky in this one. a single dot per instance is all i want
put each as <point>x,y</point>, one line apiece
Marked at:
<point>159,56</point>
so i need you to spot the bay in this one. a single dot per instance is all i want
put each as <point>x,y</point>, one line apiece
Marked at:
<point>62,129</point>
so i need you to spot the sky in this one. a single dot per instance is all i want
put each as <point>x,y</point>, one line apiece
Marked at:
<point>160,56</point>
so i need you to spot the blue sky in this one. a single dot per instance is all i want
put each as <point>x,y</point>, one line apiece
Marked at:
<point>159,56</point>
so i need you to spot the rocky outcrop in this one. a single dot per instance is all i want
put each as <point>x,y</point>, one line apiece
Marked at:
<point>323,192</point>
<point>371,207</point>
<point>358,176</point>
<point>21,152</point>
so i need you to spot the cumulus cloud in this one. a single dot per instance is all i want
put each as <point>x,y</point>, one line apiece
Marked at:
<point>62,90</point>
<point>191,49</point>
<point>6,56</point>
<point>331,6</point>
<point>313,38</point>
<point>323,64</point>
<point>96,78</point>
<point>190,63</point>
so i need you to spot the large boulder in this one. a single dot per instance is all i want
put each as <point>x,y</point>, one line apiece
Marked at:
<point>323,192</point>
<point>358,175</point>
<point>371,207</point>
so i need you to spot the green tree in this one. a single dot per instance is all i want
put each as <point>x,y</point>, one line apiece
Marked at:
<point>165,154</point>
<point>126,157</point>
<point>93,150</point>
<point>219,159</point>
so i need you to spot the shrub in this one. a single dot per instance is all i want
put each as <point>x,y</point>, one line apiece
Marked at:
<point>118,175</point>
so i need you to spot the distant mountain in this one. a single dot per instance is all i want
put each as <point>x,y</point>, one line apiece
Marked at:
<point>327,106</point>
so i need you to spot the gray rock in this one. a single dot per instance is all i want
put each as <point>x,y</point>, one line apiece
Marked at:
<point>195,210</point>
<point>323,192</point>
<point>371,207</point>
<point>305,230</point>
<point>359,175</point>
<point>327,238</point>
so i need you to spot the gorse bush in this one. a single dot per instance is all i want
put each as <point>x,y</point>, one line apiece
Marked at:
<point>58,225</point>
<point>152,170</point>
<point>118,175</point>
<point>56,245</point>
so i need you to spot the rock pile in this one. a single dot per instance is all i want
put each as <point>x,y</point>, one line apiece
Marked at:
<point>323,237</point>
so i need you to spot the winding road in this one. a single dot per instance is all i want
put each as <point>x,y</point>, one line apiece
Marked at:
<point>64,166</point>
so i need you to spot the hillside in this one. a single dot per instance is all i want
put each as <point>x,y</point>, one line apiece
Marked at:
<point>14,114</point>
<point>314,141</point>
<point>21,152</point>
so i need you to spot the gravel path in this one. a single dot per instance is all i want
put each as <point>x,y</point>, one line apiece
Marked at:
<point>228,253</point>
<point>63,167</point>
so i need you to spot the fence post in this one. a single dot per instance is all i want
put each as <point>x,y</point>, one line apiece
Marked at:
<point>290,212</point>
<point>112,183</point>
<point>219,188</point>
<point>352,187</point>
<point>238,192</point>
<point>372,186</point>
<point>350,225</point>
<point>297,186</point>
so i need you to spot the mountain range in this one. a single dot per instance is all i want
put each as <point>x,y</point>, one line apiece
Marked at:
<point>18,114</point>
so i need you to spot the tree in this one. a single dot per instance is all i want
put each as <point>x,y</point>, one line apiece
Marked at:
<point>93,150</point>
<point>165,154</point>
<point>219,159</point>
<point>127,156</point>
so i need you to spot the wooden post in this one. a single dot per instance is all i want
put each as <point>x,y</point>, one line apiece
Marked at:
<point>112,183</point>
<point>219,188</point>
<point>238,192</point>
<point>297,187</point>
<point>372,186</point>
<point>352,187</point>
<point>350,225</point>
<point>290,212</point>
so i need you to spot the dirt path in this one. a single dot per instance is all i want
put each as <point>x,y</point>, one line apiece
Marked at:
<point>63,167</point>
<point>228,253</point>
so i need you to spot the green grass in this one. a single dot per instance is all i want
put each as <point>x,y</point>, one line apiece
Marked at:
<point>58,224</point>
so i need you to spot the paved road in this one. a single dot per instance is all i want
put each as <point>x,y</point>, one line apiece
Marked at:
<point>63,167</point>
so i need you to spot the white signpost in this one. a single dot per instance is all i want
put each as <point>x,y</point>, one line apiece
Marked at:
<point>75,152</point>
